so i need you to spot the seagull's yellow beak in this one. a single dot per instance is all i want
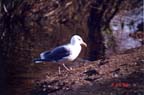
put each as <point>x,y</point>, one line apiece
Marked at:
<point>84,44</point>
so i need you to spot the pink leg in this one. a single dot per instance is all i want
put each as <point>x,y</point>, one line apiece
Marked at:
<point>66,67</point>
<point>59,70</point>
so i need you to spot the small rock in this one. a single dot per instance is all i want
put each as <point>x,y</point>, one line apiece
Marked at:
<point>91,72</point>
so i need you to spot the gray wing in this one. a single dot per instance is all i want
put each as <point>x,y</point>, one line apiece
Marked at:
<point>56,54</point>
<point>44,54</point>
<point>59,53</point>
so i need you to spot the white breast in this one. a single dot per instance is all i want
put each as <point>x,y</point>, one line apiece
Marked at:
<point>74,52</point>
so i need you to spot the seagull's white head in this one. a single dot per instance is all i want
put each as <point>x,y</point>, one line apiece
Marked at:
<point>76,39</point>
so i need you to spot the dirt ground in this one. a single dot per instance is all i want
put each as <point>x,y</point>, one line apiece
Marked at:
<point>120,74</point>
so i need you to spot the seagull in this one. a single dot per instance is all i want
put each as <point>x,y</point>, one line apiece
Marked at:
<point>68,52</point>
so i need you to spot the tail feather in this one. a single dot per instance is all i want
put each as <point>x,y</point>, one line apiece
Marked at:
<point>38,60</point>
